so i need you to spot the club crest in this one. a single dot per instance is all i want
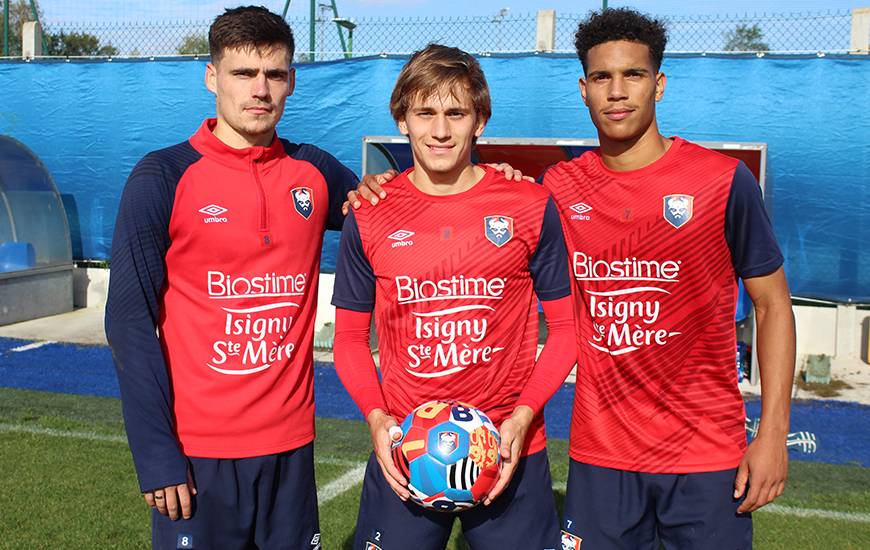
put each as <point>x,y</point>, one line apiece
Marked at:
<point>570,542</point>
<point>447,442</point>
<point>677,209</point>
<point>498,229</point>
<point>303,201</point>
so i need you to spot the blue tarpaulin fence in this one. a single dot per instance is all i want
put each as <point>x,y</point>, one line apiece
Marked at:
<point>91,121</point>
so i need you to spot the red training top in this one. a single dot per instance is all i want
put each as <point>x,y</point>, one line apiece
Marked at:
<point>453,280</point>
<point>655,254</point>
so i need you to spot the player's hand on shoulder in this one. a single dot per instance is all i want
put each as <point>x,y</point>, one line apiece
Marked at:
<point>510,172</point>
<point>173,501</point>
<point>764,469</point>
<point>369,189</point>
<point>384,431</point>
<point>513,435</point>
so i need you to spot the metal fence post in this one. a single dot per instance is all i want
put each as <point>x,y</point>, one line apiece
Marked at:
<point>311,32</point>
<point>860,31</point>
<point>6,27</point>
<point>31,40</point>
<point>545,36</point>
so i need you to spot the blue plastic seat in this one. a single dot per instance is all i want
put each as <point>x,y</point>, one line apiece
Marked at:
<point>16,256</point>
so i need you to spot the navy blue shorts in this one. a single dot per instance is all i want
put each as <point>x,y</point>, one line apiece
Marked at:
<point>611,509</point>
<point>261,502</point>
<point>522,517</point>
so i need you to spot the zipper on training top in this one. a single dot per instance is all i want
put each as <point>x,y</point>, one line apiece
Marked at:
<point>255,171</point>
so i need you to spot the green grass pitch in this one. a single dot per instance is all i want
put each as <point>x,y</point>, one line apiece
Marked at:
<point>67,482</point>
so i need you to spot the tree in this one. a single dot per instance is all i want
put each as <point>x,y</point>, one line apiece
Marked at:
<point>193,44</point>
<point>76,44</point>
<point>62,44</point>
<point>19,13</point>
<point>746,39</point>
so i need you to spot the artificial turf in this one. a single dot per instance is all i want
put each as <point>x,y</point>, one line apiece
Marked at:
<point>68,482</point>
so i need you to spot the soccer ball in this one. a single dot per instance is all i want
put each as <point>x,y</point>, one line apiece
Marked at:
<point>449,454</point>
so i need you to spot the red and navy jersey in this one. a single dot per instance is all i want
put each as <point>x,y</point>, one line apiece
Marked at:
<point>655,254</point>
<point>218,249</point>
<point>452,280</point>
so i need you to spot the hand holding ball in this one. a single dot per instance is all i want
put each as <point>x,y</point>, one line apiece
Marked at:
<point>449,452</point>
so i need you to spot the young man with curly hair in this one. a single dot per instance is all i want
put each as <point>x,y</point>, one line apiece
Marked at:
<point>658,232</point>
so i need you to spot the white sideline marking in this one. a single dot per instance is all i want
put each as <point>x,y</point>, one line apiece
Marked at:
<point>855,517</point>
<point>340,485</point>
<point>331,461</point>
<point>34,345</point>
<point>94,436</point>
<point>90,436</point>
<point>324,495</point>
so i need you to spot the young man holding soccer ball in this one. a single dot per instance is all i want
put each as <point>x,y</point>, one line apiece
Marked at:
<point>658,447</point>
<point>451,265</point>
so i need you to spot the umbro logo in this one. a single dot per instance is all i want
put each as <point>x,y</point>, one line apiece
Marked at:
<point>213,210</point>
<point>401,237</point>
<point>580,210</point>
<point>213,213</point>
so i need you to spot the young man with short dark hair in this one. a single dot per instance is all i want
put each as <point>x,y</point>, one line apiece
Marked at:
<point>210,317</point>
<point>658,447</point>
<point>451,264</point>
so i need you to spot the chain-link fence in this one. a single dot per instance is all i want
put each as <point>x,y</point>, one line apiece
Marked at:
<point>371,36</point>
<point>828,31</point>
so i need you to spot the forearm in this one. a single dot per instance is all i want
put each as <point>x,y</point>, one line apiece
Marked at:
<point>353,360</point>
<point>775,345</point>
<point>146,402</point>
<point>557,357</point>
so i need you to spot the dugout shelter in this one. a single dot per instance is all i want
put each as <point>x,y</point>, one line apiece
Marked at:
<point>36,266</point>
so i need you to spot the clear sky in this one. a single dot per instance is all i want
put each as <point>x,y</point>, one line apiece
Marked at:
<point>168,10</point>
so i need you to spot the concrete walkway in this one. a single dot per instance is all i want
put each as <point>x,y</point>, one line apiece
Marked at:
<point>81,326</point>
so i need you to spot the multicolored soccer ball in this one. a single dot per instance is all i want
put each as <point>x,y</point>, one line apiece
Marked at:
<point>449,454</point>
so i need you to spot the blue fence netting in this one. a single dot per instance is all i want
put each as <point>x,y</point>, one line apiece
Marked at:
<point>91,121</point>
